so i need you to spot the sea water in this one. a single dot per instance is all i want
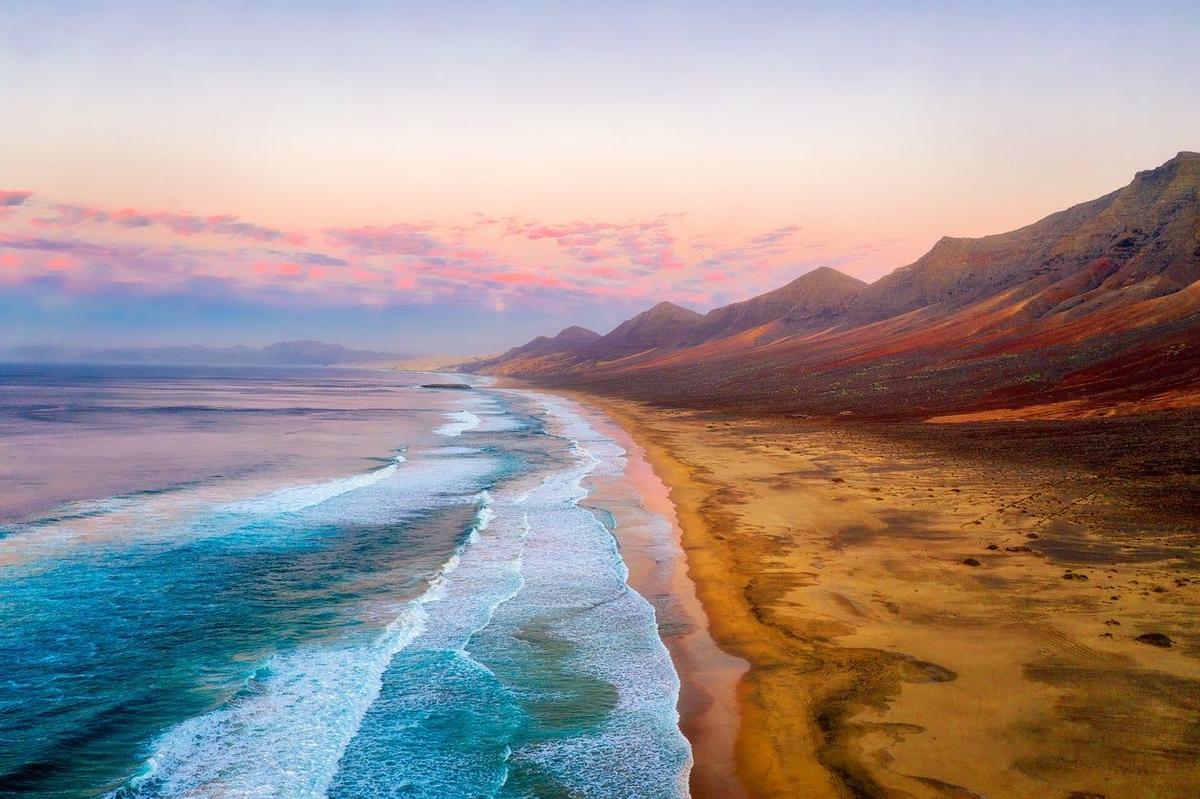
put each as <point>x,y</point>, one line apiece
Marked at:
<point>262,583</point>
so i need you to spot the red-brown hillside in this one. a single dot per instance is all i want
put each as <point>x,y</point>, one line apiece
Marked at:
<point>1092,309</point>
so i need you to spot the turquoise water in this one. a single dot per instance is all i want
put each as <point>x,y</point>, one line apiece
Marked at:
<point>441,621</point>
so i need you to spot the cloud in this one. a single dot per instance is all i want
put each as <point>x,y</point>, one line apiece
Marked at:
<point>524,279</point>
<point>517,262</point>
<point>192,225</point>
<point>398,239</point>
<point>61,262</point>
<point>319,259</point>
<point>774,237</point>
<point>647,243</point>
<point>14,198</point>
<point>69,215</point>
<point>755,252</point>
<point>287,269</point>
<point>55,245</point>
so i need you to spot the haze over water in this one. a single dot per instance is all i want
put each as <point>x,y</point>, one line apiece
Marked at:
<point>380,590</point>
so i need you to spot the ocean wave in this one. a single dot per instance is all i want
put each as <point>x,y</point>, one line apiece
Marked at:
<point>283,735</point>
<point>297,498</point>
<point>527,660</point>
<point>637,749</point>
<point>460,422</point>
<point>536,623</point>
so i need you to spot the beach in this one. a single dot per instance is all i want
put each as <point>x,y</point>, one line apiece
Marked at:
<point>922,615</point>
<point>658,570</point>
<point>819,608</point>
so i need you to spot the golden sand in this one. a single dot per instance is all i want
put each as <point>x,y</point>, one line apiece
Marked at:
<point>883,662</point>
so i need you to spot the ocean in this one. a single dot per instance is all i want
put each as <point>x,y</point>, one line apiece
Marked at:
<point>317,583</point>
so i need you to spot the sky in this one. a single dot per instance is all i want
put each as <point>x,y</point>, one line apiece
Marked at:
<point>456,177</point>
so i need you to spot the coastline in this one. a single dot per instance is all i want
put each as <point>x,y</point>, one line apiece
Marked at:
<point>659,571</point>
<point>735,728</point>
<point>838,564</point>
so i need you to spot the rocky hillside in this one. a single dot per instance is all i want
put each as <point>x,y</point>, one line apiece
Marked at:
<point>1092,310</point>
<point>544,352</point>
<point>812,301</point>
<point>664,326</point>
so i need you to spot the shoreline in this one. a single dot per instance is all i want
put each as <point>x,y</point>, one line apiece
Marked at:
<point>926,615</point>
<point>709,715</point>
<point>747,767</point>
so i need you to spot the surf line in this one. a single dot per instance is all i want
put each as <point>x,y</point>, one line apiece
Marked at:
<point>197,756</point>
<point>460,422</point>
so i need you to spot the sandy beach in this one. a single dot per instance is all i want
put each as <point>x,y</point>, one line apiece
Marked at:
<point>919,619</point>
<point>709,676</point>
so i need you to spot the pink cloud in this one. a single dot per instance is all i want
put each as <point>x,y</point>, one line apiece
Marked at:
<point>365,275</point>
<point>69,215</point>
<point>524,279</point>
<point>571,233</point>
<point>278,269</point>
<point>647,244</point>
<point>398,239</point>
<point>519,262</point>
<point>131,218</point>
<point>61,263</point>
<point>13,198</point>
<point>607,272</point>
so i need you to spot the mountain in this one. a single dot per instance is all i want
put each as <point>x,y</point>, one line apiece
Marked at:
<point>663,326</point>
<point>318,353</point>
<point>811,301</point>
<point>1091,310</point>
<point>283,353</point>
<point>543,353</point>
<point>568,339</point>
<point>1134,241</point>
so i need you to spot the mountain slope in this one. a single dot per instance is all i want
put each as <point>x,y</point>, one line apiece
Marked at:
<point>813,300</point>
<point>663,326</point>
<point>542,353</point>
<point>1095,309</point>
<point>567,339</point>
<point>1136,235</point>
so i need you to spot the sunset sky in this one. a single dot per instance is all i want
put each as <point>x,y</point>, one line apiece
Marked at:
<point>457,177</point>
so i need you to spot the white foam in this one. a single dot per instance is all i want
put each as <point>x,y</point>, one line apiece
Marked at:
<point>297,498</point>
<point>547,562</point>
<point>284,735</point>
<point>460,422</point>
<point>533,555</point>
<point>167,516</point>
<point>572,563</point>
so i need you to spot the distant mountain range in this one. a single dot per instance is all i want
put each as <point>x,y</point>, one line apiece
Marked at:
<point>283,353</point>
<point>1094,310</point>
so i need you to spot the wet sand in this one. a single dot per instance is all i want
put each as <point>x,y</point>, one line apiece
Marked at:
<point>709,676</point>
<point>925,622</point>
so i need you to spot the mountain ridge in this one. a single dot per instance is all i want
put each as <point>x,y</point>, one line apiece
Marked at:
<point>1024,317</point>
